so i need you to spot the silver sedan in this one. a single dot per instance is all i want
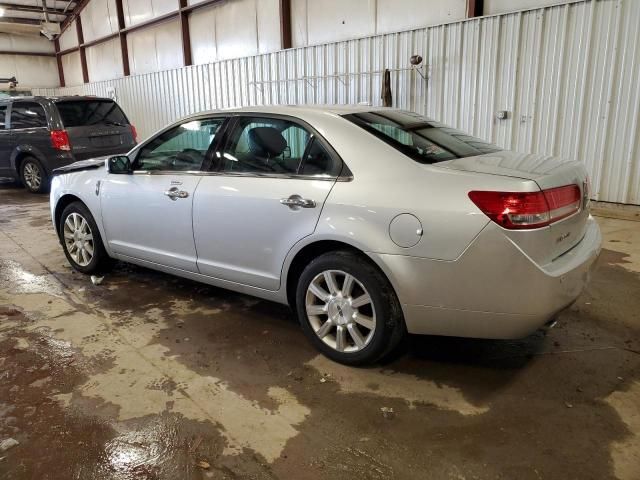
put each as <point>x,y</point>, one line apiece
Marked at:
<point>369,222</point>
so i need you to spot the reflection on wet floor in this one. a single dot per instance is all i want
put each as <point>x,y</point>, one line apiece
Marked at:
<point>149,376</point>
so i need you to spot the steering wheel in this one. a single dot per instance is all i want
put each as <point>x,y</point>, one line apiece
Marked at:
<point>189,155</point>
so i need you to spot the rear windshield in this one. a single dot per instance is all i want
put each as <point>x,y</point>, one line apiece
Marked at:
<point>420,138</point>
<point>80,113</point>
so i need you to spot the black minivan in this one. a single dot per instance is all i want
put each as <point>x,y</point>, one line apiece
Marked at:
<point>39,134</point>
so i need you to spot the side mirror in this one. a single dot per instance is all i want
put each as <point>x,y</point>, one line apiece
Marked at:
<point>120,165</point>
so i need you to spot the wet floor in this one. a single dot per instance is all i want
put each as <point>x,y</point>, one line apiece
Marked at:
<point>147,376</point>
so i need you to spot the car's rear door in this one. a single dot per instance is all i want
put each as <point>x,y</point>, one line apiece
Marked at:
<point>148,215</point>
<point>270,182</point>
<point>95,126</point>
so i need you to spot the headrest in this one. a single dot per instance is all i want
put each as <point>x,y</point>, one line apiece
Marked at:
<point>266,141</point>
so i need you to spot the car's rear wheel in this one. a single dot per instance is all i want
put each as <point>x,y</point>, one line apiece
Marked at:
<point>33,175</point>
<point>81,240</point>
<point>348,308</point>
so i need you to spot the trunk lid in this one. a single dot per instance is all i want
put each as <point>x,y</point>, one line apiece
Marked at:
<point>95,127</point>
<point>547,172</point>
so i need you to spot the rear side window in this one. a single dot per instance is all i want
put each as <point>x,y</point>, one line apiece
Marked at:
<point>3,114</point>
<point>420,138</point>
<point>81,113</point>
<point>27,115</point>
<point>274,146</point>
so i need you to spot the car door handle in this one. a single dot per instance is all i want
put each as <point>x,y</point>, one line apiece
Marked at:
<point>296,201</point>
<point>174,193</point>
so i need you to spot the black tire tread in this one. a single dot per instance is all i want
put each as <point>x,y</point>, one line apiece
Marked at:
<point>101,261</point>
<point>394,328</point>
<point>44,184</point>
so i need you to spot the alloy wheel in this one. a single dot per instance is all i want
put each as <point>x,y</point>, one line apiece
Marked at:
<point>78,239</point>
<point>340,311</point>
<point>32,176</point>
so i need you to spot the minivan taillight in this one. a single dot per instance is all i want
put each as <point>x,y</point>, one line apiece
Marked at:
<point>519,210</point>
<point>60,140</point>
<point>134,132</point>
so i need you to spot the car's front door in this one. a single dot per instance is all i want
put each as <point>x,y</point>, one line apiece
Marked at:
<point>147,215</point>
<point>270,182</point>
<point>6,146</point>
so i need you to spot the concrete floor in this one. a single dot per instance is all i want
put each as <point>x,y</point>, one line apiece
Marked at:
<point>148,376</point>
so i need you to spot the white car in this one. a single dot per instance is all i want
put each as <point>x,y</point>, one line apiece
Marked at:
<point>369,222</point>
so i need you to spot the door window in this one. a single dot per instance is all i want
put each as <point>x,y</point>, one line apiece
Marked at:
<point>182,148</point>
<point>27,115</point>
<point>266,145</point>
<point>3,112</point>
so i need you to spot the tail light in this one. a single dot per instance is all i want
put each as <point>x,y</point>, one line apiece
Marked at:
<point>134,132</point>
<point>519,210</point>
<point>60,140</point>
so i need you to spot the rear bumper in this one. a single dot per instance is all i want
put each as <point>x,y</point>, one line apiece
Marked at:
<point>493,290</point>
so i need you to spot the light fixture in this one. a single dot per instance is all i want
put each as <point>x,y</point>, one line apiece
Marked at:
<point>1,11</point>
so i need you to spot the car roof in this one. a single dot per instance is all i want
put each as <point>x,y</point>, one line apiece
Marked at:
<point>293,109</point>
<point>55,99</point>
<point>304,112</point>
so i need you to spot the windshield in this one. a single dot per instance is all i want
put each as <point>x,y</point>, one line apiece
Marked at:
<point>83,113</point>
<point>420,138</point>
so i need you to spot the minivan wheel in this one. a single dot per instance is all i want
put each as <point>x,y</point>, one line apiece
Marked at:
<point>33,176</point>
<point>81,240</point>
<point>348,309</point>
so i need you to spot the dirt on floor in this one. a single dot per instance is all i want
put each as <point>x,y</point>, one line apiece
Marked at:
<point>148,376</point>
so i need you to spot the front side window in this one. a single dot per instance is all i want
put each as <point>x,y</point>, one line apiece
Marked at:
<point>182,148</point>
<point>419,138</point>
<point>80,113</point>
<point>27,115</point>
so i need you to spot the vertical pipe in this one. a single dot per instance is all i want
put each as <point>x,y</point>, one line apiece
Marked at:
<point>285,24</point>
<point>83,56</point>
<point>184,33</point>
<point>124,49</point>
<point>56,44</point>
<point>475,8</point>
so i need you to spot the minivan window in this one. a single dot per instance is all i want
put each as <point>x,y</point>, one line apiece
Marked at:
<point>420,138</point>
<point>3,113</point>
<point>81,113</point>
<point>27,115</point>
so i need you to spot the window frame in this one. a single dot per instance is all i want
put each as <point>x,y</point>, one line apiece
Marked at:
<point>204,167</point>
<point>339,170</point>
<point>5,105</point>
<point>13,104</point>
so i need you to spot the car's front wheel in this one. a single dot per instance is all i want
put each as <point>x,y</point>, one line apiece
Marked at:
<point>33,176</point>
<point>348,308</point>
<point>81,240</point>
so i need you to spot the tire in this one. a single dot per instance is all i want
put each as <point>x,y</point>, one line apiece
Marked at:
<point>81,241</point>
<point>33,176</point>
<point>378,323</point>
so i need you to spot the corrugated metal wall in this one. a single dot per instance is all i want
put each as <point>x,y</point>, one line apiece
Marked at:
<point>568,75</point>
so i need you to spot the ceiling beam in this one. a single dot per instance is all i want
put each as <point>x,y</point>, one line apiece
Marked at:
<point>24,21</point>
<point>30,54</point>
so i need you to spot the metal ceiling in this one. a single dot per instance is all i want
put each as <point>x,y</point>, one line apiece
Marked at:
<point>35,12</point>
